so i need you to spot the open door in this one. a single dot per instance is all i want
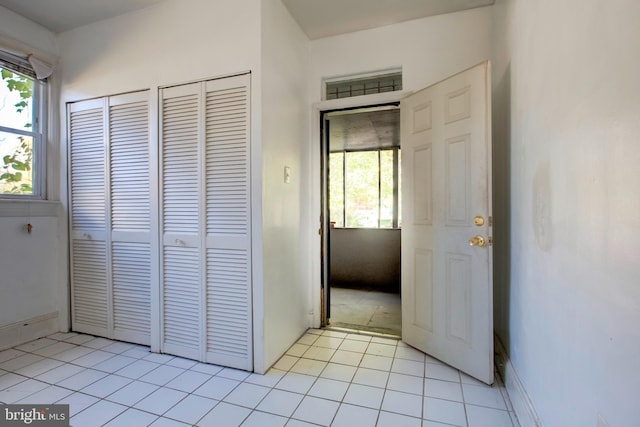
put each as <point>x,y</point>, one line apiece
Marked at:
<point>447,286</point>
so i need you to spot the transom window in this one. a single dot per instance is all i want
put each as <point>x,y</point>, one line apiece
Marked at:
<point>22,148</point>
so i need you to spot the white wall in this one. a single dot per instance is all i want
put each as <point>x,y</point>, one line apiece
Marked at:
<point>31,266</point>
<point>285,207</point>
<point>566,78</point>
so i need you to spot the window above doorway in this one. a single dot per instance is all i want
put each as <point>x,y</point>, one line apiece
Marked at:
<point>363,85</point>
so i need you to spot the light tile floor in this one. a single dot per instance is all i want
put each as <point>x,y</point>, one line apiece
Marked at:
<point>326,378</point>
<point>366,310</point>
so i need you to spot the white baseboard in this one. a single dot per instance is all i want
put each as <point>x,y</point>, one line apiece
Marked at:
<point>24,331</point>
<point>520,401</point>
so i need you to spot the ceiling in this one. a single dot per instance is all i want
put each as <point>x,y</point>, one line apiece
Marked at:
<point>317,18</point>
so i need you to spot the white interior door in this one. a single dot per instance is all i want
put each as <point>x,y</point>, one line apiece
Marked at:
<point>447,289</point>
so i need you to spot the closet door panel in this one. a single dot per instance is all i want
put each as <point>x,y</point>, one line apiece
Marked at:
<point>181,267</point>
<point>90,305</point>
<point>228,223</point>
<point>130,216</point>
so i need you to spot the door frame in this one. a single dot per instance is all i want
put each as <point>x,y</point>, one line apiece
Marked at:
<point>317,225</point>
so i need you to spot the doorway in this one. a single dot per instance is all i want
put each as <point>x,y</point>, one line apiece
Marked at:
<point>361,189</point>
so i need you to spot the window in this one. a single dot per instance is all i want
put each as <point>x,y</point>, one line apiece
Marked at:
<point>364,86</point>
<point>22,147</point>
<point>364,188</point>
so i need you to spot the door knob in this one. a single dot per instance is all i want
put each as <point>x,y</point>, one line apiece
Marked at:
<point>477,241</point>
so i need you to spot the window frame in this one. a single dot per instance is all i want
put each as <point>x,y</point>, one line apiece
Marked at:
<point>396,224</point>
<point>38,130</point>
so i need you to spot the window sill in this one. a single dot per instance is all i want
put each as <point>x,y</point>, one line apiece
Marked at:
<point>31,208</point>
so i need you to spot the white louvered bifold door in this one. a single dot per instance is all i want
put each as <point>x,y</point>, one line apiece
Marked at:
<point>206,234</point>
<point>109,188</point>
<point>88,217</point>
<point>228,223</point>
<point>181,292</point>
<point>129,166</point>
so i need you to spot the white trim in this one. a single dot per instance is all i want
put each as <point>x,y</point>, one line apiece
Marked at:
<point>27,330</point>
<point>29,208</point>
<point>522,406</point>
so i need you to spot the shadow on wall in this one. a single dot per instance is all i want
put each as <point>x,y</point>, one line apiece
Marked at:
<point>501,129</point>
<point>365,258</point>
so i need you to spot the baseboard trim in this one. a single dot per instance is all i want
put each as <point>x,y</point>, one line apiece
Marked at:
<point>520,401</point>
<point>24,331</point>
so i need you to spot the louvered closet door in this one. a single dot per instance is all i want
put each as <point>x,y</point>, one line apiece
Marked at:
<point>131,266</point>
<point>206,264</point>
<point>88,217</point>
<point>109,188</point>
<point>228,223</point>
<point>181,292</point>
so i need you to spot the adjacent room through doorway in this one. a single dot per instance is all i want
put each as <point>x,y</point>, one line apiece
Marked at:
<point>362,161</point>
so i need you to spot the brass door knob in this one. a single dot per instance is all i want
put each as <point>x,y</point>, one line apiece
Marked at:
<point>477,241</point>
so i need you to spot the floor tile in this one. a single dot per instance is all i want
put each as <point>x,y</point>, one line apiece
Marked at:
<point>205,368</point>
<point>328,342</point>
<point>388,341</point>
<point>159,358</point>
<point>137,353</point>
<point>441,372</point>
<point>483,396</point>
<point>166,422</point>
<point>97,343</point>
<point>106,386</point>
<point>409,353</point>
<point>444,411</point>
<point>161,375</point>
<point>443,389</point>
<point>60,373</point>
<point>280,402</point>
<point>358,337</point>
<point>114,364</point>
<point>347,357</point>
<point>408,367</point>
<point>350,416</point>
<point>372,377</point>
<point>47,395</point>
<point>233,374</point>
<point>191,409</point>
<point>363,395</point>
<point>98,414</point>
<point>286,362</point>
<point>21,361</point>
<point>61,336</point>
<point>216,388</point>
<point>160,401</point>
<point>402,403</point>
<point>381,349</point>
<point>388,419</point>
<point>132,417</point>
<point>319,353</point>
<point>308,367</point>
<point>247,395</point>
<point>405,383</point>
<point>298,423</point>
<point>316,410</point>
<point>354,345</point>
<point>329,389</point>
<point>308,339</point>
<point>262,419</point>
<point>334,334</point>
<point>132,393</point>
<point>297,350</point>
<point>9,354</point>
<point>93,358</point>
<point>137,369</point>
<point>298,383</point>
<point>38,368</point>
<point>11,379</point>
<point>487,417</point>
<point>80,339</point>
<point>72,354</point>
<point>188,381</point>
<point>78,402</point>
<point>270,379</point>
<point>21,390</point>
<point>56,348</point>
<point>118,347</point>
<point>81,379</point>
<point>372,361</point>
<point>338,372</point>
<point>30,347</point>
<point>315,331</point>
<point>225,414</point>
<point>179,362</point>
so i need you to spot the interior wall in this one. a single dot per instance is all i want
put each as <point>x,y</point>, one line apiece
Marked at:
<point>428,50</point>
<point>31,264</point>
<point>566,76</point>
<point>365,258</point>
<point>285,209</point>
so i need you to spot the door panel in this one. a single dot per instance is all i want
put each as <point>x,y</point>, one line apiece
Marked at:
<point>446,283</point>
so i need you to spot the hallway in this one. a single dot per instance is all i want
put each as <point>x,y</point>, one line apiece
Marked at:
<point>326,378</point>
